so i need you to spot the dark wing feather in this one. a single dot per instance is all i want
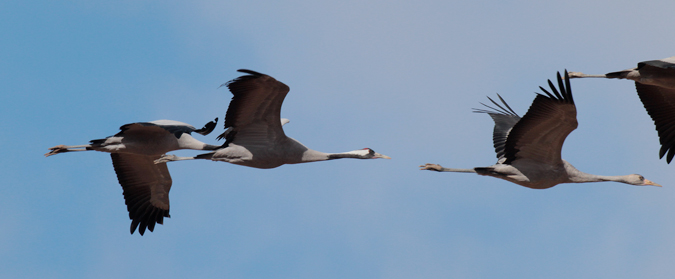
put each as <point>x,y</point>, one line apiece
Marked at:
<point>154,130</point>
<point>540,134</point>
<point>255,109</point>
<point>162,126</point>
<point>663,63</point>
<point>146,188</point>
<point>657,72</point>
<point>505,118</point>
<point>660,105</point>
<point>208,127</point>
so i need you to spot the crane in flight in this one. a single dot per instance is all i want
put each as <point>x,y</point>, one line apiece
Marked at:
<point>655,84</point>
<point>133,151</point>
<point>254,136</point>
<point>529,148</point>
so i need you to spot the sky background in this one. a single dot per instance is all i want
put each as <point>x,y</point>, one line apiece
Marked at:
<point>399,77</point>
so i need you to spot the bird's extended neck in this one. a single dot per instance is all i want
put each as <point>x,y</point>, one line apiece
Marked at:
<point>350,154</point>
<point>186,141</point>
<point>577,176</point>
<point>582,177</point>
<point>312,155</point>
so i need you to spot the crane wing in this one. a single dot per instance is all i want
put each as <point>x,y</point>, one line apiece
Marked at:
<point>666,63</point>
<point>208,127</point>
<point>255,109</point>
<point>660,105</point>
<point>505,118</point>
<point>540,134</point>
<point>146,188</point>
<point>159,127</point>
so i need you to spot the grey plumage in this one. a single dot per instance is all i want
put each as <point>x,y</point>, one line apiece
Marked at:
<point>655,85</point>
<point>133,151</point>
<point>529,148</point>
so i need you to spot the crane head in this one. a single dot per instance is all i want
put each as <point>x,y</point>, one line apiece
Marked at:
<point>639,180</point>
<point>371,154</point>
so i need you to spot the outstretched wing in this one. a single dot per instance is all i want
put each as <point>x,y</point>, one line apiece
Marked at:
<point>660,105</point>
<point>540,134</point>
<point>505,118</point>
<point>157,126</point>
<point>172,126</point>
<point>146,188</point>
<point>255,109</point>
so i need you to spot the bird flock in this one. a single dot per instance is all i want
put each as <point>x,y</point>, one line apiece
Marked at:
<point>528,148</point>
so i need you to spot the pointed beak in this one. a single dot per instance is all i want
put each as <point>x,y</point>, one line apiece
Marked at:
<point>378,155</point>
<point>649,182</point>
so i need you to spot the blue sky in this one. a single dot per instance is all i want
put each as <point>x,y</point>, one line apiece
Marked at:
<point>400,77</point>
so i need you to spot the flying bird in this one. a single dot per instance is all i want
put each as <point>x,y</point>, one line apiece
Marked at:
<point>133,151</point>
<point>254,136</point>
<point>655,84</point>
<point>529,148</point>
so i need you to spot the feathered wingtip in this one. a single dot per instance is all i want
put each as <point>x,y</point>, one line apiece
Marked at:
<point>500,110</point>
<point>252,74</point>
<point>662,152</point>
<point>149,222</point>
<point>565,93</point>
<point>208,128</point>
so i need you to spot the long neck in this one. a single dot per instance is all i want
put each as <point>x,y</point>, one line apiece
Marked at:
<point>577,176</point>
<point>358,154</point>
<point>312,155</point>
<point>186,141</point>
<point>587,177</point>
<point>197,145</point>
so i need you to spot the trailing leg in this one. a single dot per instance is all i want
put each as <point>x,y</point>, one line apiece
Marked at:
<point>65,148</point>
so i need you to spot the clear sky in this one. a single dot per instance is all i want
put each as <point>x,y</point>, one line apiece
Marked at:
<point>400,77</point>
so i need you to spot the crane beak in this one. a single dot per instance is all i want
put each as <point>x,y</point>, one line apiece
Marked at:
<point>649,182</point>
<point>378,155</point>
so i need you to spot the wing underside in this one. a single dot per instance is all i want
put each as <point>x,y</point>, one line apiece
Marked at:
<point>505,118</point>
<point>660,105</point>
<point>146,188</point>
